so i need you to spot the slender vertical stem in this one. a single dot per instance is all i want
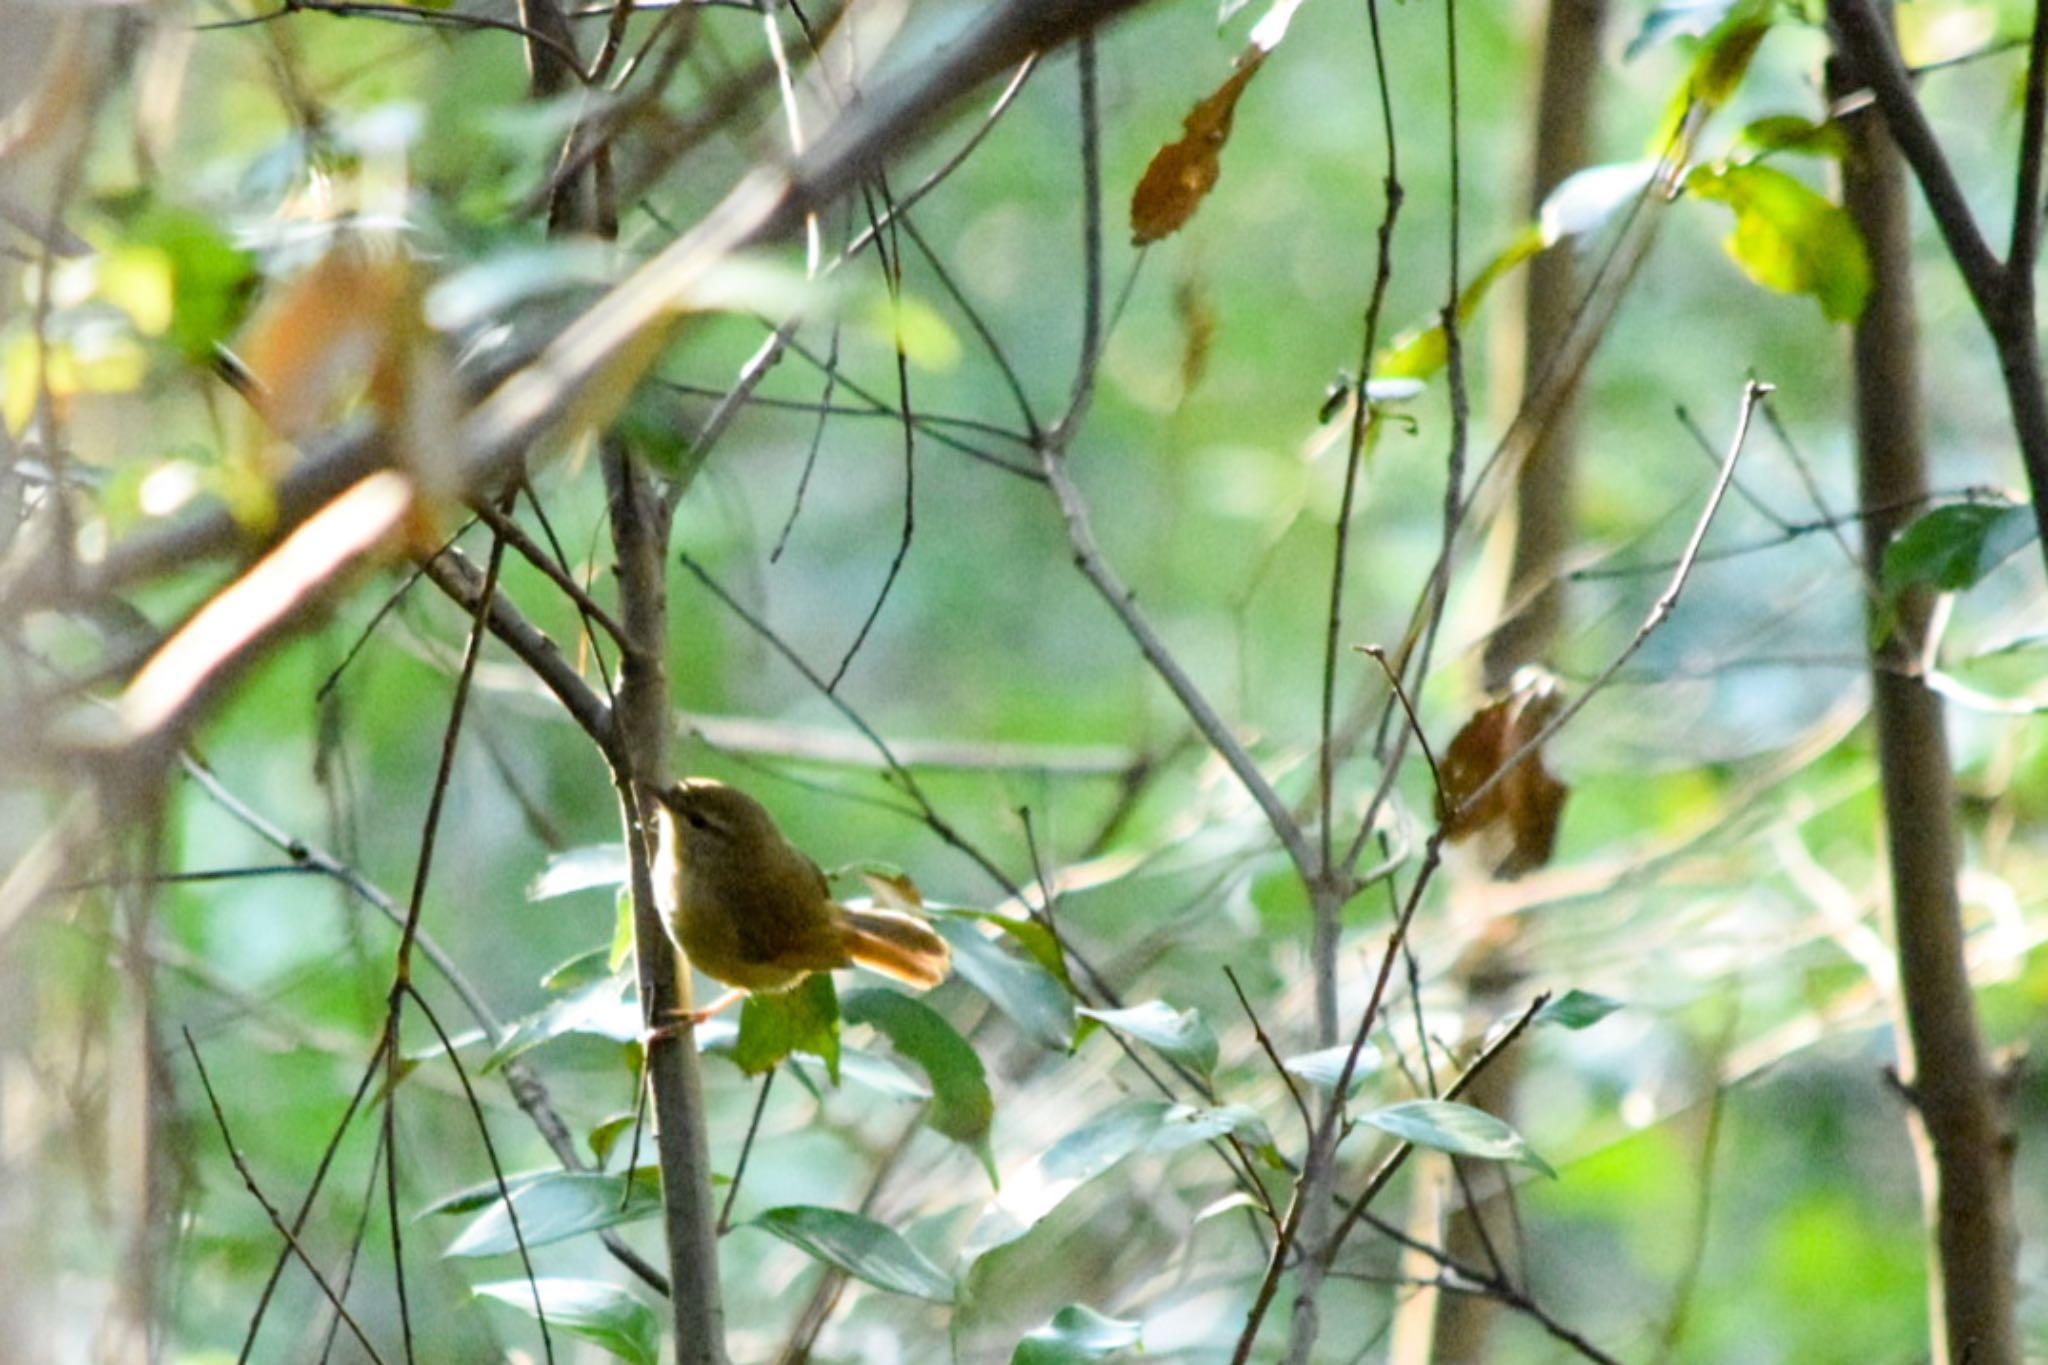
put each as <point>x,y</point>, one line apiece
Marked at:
<point>1959,1128</point>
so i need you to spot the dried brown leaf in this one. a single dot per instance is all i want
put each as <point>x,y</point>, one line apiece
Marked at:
<point>1521,810</point>
<point>1182,173</point>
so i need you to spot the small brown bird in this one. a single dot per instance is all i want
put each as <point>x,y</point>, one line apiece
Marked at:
<point>750,910</point>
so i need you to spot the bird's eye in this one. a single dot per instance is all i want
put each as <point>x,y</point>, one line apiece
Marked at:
<point>696,819</point>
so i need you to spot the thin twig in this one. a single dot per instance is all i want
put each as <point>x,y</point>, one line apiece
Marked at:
<point>1308,1122</point>
<point>483,1131</point>
<point>739,1170</point>
<point>227,1138</point>
<point>1660,611</point>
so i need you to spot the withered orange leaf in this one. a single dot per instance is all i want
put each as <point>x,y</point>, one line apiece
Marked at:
<point>1182,173</point>
<point>1521,810</point>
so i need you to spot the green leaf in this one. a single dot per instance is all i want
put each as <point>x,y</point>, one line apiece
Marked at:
<point>1725,57</point>
<point>1459,1129</point>
<point>470,1198</point>
<point>1030,996</point>
<point>1326,1066</point>
<point>1077,1333</point>
<point>962,1107</point>
<point>863,1248</point>
<point>1953,547</point>
<point>579,869</point>
<point>1097,1145</point>
<point>1788,237</point>
<point>607,1133</point>
<point>598,1312</point>
<point>1181,1035</point>
<point>558,1205</point>
<point>805,1019</point>
<point>209,279</point>
<point>599,1009</point>
<point>1792,133</point>
<point>1577,1009</point>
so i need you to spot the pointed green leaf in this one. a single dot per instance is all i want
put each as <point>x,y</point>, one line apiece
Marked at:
<point>470,1198</point>
<point>598,1312</point>
<point>861,1247</point>
<point>1577,1009</point>
<point>1459,1129</point>
<point>558,1205</point>
<point>1953,547</point>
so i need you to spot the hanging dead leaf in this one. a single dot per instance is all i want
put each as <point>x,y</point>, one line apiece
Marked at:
<point>1518,813</point>
<point>1182,173</point>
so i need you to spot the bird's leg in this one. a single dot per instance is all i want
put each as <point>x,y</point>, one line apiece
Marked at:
<point>679,1020</point>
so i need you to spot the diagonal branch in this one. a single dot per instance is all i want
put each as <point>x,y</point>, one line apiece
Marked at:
<point>1862,36</point>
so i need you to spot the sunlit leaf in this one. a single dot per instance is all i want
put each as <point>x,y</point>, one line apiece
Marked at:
<point>1131,1126</point>
<point>1325,1067</point>
<point>911,325</point>
<point>1951,548</point>
<point>1585,200</point>
<point>599,1009</point>
<point>962,1107</point>
<point>863,1248</point>
<point>1183,172</point>
<point>1459,1129</point>
<point>1182,1035</point>
<point>560,1205</point>
<point>598,1312</point>
<point>1788,237</point>
<point>177,275</point>
<point>579,869</point>
<point>1077,1333</point>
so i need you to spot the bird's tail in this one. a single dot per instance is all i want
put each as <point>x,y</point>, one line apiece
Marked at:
<point>896,944</point>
